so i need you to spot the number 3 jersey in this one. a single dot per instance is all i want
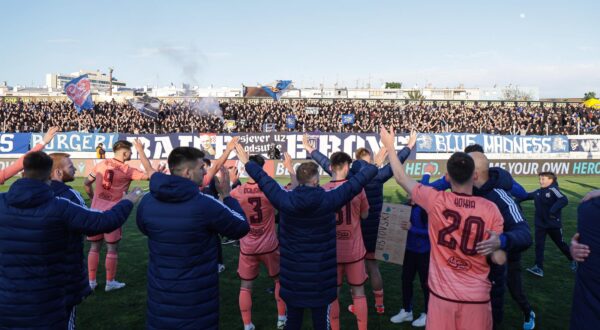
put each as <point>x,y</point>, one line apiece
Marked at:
<point>457,222</point>
<point>262,237</point>
<point>113,178</point>
<point>350,246</point>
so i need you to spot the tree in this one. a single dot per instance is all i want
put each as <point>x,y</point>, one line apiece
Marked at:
<point>393,85</point>
<point>415,95</point>
<point>515,94</point>
<point>587,96</point>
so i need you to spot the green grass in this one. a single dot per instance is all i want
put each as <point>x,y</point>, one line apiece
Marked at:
<point>125,309</point>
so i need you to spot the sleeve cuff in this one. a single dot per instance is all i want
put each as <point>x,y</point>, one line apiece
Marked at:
<point>502,241</point>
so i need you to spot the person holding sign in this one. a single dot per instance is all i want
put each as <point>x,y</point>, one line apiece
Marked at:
<point>374,191</point>
<point>458,276</point>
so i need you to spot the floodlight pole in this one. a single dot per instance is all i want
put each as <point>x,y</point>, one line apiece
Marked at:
<point>110,71</point>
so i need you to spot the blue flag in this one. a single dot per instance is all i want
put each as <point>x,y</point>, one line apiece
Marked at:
<point>276,91</point>
<point>290,122</point>
<point>79,91</point>
<point>348,119</point>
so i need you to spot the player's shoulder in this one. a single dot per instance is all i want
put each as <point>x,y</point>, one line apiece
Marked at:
<point>487,204</point>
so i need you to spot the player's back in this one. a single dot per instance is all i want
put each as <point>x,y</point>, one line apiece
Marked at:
<point>457,222</point>
<point>113,178</point>
<point>262,237</point>
<point>350,245</point>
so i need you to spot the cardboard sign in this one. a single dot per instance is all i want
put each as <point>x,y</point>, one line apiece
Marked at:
<point>391,238</point>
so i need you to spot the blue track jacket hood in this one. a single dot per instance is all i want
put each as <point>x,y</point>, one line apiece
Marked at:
<point>28,193</point>
<point>172,188</point>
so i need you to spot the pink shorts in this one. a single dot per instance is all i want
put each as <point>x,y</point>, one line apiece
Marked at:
<point>356,273</point>
<point>112,237</point>
<point>448,315</point>
<point>249,265</point>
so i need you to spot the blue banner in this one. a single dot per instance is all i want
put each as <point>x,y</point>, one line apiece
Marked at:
<point>14,143</point>
<point>79,91</point>
<point>76,142</point>
<point>511,144</point>
<point>348,119</point>
<point>213,145</point>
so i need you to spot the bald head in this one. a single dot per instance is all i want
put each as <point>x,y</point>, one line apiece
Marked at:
<point>482,165</point>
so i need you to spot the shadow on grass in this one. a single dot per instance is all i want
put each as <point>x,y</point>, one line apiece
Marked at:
<point>585,185</point>
<point>571,192</point>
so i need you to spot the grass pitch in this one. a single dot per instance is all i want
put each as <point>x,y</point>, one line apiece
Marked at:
<point>125,309</point>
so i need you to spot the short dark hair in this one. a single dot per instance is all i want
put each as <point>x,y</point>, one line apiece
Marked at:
<point>338,159</point>
<point>460,167</point>
<point>258,159</point>
<point>181,155</point>
<point>37,165</point>
<point>122,144</point>
<point>474,148</point>
<point>306,171</point>
<point>549,175</point>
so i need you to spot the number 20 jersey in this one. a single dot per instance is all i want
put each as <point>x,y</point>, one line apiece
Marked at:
<point>262,237</point>
<point>457,222</point>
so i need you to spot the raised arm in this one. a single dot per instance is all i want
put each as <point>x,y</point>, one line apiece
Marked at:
<point>387,138</point>
<point>139,146</point>
<point>278,197</point>
<point>316,155</point>
<point>17,166</point>
<point>289,166</point>
<point>219,162</point>
<point>385,173</point>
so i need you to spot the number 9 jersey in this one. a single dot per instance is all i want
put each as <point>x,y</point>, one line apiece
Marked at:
<point>262,237</point>
<point>457,222</point>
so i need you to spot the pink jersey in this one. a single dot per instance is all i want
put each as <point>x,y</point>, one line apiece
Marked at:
<point>113,178</point>
<point>350,245</point>
<point>262,237</point>
<point>457,222</point>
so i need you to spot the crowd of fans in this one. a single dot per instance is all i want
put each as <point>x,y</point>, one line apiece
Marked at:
<point>251,116</point>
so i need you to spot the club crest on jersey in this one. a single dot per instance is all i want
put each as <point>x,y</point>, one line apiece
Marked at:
<point>547,195</point>
<point>459,263</point>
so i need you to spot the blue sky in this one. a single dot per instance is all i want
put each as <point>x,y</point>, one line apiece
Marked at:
<point>553,45</point>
